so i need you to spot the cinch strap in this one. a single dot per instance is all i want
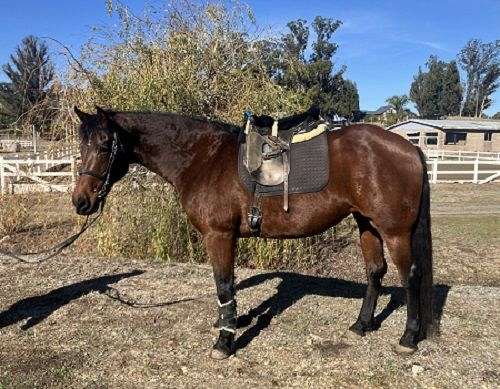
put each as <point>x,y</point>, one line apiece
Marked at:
<point>232,330</point>
<point>247,126</point>
<point>274,129</point>
<point>225,304</point>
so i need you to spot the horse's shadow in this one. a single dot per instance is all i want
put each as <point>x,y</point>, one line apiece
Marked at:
<point>294,287</point>
<point>290,290</point>
<point>38,308</point>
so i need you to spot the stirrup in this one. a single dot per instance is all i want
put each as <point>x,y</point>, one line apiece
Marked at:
<point>254,219</point>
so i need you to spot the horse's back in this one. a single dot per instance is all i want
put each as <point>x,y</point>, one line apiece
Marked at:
<point>379,171</point>
<point>372,138</point>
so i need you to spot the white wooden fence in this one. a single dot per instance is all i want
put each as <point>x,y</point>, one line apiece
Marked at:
<point>477,172</point>
<point>37,174</point>
<point>57,171</point>
<point>462,155</point>
<point>5,143</point>
<point>462,166</point>
<point>58,152</point>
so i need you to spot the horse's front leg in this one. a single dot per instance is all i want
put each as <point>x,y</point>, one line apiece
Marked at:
<point>221,250</point>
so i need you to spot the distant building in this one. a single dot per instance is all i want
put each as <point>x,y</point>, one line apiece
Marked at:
<point>381,114</point>
<point>465,135</point>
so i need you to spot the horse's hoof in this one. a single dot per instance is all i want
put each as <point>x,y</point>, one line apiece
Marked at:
<point>354,335</point>
<point>404,350</point>
<point>356,331</point>
<point>219,354</point>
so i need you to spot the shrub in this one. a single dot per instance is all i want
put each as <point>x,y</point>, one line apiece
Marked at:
<point>192,59</point>
<point>143,219</point>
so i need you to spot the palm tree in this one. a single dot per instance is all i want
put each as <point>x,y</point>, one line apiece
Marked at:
<point>398,103</point>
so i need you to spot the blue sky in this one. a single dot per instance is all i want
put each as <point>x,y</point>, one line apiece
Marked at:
<point>382,43</point>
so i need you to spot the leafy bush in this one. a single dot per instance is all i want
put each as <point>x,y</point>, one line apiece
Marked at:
<point>197,60</point>
<point>194,59</point>
<point>146,222</point>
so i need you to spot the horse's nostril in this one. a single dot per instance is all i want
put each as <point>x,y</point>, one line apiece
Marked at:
<point>82,204</point>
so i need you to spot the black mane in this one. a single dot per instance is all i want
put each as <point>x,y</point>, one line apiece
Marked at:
<point>228,127</point>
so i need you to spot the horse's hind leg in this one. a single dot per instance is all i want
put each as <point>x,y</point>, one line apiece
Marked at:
<point>376,267</point>
<point>400,252</point>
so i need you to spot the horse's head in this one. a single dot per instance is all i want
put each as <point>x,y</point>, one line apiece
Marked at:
<point>105,159</point>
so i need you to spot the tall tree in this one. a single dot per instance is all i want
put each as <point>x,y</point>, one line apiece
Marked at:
<point>418,93</point>
<point>480,63</point>
<point>487,87</point>
<point>30,73</point>
<point>452,91</point>
<point>315,76</point>
<point>345,98</point>
<point>438,91</point>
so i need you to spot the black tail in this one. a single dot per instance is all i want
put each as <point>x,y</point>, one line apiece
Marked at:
<point>421,249</point>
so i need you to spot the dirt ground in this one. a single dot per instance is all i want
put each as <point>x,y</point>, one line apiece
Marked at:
<point>62,326</point>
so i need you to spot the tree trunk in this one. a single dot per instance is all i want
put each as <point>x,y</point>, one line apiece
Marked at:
<point>482,106</point>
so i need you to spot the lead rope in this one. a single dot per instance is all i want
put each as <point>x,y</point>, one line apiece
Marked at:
<point>58,248</point>
<point>44,255</point>
<point>114,294</point>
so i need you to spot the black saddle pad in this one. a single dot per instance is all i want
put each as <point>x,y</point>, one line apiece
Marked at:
<point>309,169</point>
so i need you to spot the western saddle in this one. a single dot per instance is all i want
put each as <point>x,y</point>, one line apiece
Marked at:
<point>267,150</point>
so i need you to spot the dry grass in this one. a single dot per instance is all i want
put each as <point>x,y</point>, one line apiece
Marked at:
<point>59,331</point>
<point>146,221</point>
<point>14,214</point>
<point>466,246</point>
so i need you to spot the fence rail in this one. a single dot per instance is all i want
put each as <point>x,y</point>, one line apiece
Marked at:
<point>57,172</point>
<point>35,175</point>
<point>477,171</point>
<point>23,143</point>
<point>462,155</point>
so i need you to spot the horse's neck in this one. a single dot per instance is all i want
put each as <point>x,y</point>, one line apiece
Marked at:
<point>178,149</point>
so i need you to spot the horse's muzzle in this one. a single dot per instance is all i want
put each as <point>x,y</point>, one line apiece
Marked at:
<point>84,206</point>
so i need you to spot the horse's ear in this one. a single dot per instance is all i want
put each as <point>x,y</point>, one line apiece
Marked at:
<point>83,116</point>
<point>102,115</point>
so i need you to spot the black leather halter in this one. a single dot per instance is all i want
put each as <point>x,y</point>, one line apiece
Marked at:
<point>106,176</point>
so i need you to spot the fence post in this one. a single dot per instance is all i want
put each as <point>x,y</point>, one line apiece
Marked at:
<point>73,169</point>
<point>2,176</point>
<point>35,140</point>
<point>18,174</point>
<point>434,171</point>
<point>476,171</point>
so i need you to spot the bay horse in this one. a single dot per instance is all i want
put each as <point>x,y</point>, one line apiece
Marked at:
<point>375,175</point>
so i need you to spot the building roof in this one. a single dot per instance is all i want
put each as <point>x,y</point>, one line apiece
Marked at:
<point>380,110</point>
<point>447,124</point>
